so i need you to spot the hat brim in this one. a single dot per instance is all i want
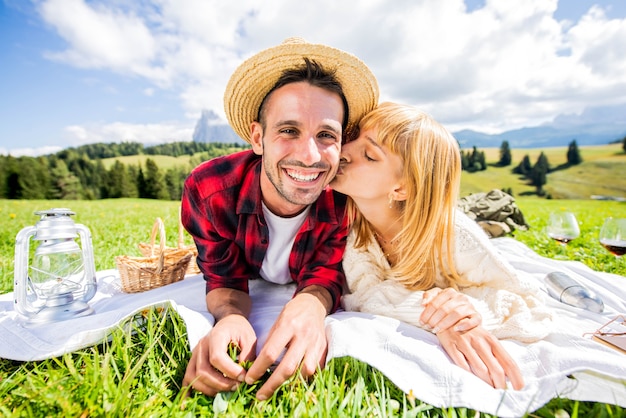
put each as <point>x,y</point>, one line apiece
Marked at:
<point>256,76</point>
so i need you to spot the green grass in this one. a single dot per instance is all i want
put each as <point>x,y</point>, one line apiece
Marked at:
<point>116,226</point>
<point>587,249</point>
<point>602,172</point>
<point>139,373</point>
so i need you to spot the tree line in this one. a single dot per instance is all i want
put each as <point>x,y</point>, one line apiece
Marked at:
<point>79,173</point>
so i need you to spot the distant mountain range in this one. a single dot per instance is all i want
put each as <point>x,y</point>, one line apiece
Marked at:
<point>595,126</point>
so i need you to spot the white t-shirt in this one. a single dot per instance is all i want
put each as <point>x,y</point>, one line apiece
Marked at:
<point>275,267</point>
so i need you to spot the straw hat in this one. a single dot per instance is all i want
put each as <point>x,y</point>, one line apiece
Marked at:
<point>256,76</point>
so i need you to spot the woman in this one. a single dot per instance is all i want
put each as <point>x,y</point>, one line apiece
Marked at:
<point>402,174</point>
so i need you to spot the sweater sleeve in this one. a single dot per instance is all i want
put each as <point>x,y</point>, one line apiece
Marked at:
<point>516,304</point>
<point>370,292</point>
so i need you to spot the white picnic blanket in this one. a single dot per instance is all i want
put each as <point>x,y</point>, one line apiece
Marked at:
<point>566,364</point>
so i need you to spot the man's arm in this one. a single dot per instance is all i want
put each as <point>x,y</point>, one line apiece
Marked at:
<point>210,369</point>
<point>224,301</point>
<point>321,294</point>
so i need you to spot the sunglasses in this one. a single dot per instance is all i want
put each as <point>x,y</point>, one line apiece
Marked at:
<point>613,333</point>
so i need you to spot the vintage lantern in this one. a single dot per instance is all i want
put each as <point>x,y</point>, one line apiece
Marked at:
<point>61,278</point>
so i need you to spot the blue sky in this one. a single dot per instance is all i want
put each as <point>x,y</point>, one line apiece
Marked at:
<point>75,71</point>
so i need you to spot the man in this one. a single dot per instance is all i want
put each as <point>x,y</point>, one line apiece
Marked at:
<point>267,213</point>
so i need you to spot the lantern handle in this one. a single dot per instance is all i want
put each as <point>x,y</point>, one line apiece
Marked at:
<point>22,248</point>
<point>89,263</point>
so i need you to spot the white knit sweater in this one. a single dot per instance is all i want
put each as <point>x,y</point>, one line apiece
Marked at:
<point>510,303</point>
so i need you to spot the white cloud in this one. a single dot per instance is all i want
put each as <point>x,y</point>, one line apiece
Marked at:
<point>77,135</point>
<point>506,65</point>
<point>599,44</point>
<point>30,152</point>
<point>127,132</point>
<point>100,37</point>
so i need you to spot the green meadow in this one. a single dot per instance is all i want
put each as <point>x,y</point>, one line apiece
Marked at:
<point>602,172</point>
<point>138,372</point>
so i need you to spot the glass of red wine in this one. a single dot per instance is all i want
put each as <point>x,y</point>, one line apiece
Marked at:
<point>563,227</point>
<point>613,236</point>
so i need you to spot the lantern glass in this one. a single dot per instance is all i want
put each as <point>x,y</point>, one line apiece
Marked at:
<point>57,268</point>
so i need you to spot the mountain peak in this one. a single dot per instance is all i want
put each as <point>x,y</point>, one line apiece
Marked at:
<point>211,128</point>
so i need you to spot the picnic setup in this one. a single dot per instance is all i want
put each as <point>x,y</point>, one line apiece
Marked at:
<point>61,304</point>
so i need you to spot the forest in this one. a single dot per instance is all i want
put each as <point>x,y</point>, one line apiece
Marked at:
<point>79,173</point>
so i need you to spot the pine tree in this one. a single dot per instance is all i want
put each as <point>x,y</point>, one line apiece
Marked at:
<point>475,162</point>
<point>155,183</point>
<point>141,184</point>
<point>624,144</point>
<point>505,154</point>
<point>28,179</point>
<point>64,183</point>
<point>482,159</point>
<point>523,167</point>
<point>118,182</point>
<point>539,172</point>
<point>573,154</point>
<point>174,179</point>
<point>464,161</point>
<point>133,177</point>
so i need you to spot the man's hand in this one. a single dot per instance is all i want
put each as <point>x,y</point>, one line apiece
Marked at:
<point>211,369</point>
<point>299,336</point>
<point>479,352</point>
<point>446,308</point>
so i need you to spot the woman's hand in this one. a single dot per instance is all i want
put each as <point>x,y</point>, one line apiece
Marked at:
<point>479,352</point>
<point>446,308</point>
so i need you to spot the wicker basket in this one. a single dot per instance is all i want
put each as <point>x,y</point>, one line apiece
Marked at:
<point>154,270</point>
<point>150,249</point>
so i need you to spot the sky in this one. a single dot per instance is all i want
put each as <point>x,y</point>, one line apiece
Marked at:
<point>74,72</point>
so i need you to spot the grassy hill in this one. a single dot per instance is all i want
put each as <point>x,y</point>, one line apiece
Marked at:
<point>166,162</point>
<point>162,161</point>
<point>602,172</point>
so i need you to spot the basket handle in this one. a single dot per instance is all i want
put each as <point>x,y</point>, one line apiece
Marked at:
<point>160,227</point>
<point>181,230</point>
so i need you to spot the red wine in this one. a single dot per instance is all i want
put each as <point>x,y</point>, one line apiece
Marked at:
<point>563,239</point>
<point>617,248</point>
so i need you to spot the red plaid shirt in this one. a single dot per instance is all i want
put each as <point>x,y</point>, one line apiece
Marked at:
<point>221,209</point>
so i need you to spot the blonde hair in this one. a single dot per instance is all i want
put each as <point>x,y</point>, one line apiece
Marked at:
<point>432,173</point>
